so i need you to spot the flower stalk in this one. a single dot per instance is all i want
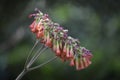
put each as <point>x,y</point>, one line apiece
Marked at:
<point>55,37</point>
<point>30,60</point>
<point>21,75</point>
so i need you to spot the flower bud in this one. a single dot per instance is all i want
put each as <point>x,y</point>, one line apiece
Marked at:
<point>72,62</point>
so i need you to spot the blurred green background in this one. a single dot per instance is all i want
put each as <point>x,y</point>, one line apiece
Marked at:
<point>95,22</point>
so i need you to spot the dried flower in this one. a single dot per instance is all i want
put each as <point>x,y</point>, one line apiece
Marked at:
<point>55,37</point>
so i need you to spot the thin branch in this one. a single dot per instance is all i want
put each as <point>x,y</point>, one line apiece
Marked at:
<point>36,57</point>
<point>30,53</point>
<point>38,51</point>
<point>21,74</point>
<point>36,67</point>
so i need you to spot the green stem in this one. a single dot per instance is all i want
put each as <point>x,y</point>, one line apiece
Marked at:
<point>36,57</point>
<point>30,53</point>
<point>29,61</point>
<point>36,67</point>
<point>21,74</point>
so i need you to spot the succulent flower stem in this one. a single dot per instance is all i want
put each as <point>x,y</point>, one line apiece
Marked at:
<point>35,57</point>
<point>30,61</point>
<point>55,37</point>
<point>21,74</point>
<point>36,67</point>
<point>30,53</point>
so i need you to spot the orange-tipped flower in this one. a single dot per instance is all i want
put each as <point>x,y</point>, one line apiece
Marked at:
<point>48,41</point>
<point>58,49</point>
<point>72,62</point>
<point>55,37</point>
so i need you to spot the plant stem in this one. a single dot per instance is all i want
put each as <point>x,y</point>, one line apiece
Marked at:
<point>35,58</point>
<point>36,67</point>
<point>30,61</point>
<point>27,60</point>
<point>21,74</point>
<point>25,70</point>
<point>36,54</point>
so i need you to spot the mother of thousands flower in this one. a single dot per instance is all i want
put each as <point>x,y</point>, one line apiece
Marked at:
<point>52,35</point>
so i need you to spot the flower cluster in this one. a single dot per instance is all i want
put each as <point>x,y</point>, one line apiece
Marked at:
<point>55,37</point>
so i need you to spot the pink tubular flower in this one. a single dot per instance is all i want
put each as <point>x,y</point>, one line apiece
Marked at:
<point>72,62</point>
<point>55,37</point>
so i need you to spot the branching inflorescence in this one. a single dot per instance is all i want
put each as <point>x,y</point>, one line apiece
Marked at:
<point>52,35</point>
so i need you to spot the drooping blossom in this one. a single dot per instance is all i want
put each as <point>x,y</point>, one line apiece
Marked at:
<point>55,37</point>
